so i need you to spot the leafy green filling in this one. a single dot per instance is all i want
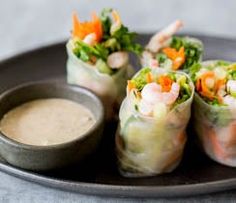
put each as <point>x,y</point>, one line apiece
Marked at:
<point>120,40</point>
<point>193,51</point>
<point>185,89</point>
<point>140,79</point>
<point>193,71</point>
<point>85,52</point>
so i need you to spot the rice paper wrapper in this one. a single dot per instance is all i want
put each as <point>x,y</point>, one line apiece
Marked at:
<point>148,146</point>
<point>216,130</point>
<point>110,88</point>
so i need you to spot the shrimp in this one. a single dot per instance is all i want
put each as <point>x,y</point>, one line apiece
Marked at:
<point>146,58</point>
<point>170,97</point>
<point>230,101</point>
<point>118,59</point>
<point>90,39</point>
<point>153,63</point>
<point>159,39</point>
<point>152,94</point>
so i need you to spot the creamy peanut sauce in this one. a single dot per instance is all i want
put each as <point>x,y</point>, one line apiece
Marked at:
<point>47,122</point>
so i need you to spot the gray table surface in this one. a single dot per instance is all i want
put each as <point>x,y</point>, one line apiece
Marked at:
<point>26,24</point>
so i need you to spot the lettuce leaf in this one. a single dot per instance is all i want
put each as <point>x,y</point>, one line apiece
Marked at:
<point>140,79</point>
<point>85,52</point>
<point>193,70</point>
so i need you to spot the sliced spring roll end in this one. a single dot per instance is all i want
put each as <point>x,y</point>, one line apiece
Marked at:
<point>152,145</point>
<point>110,88</point>
<point>215,127</point>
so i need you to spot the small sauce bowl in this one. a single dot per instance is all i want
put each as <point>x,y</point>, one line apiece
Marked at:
<point>50,157</point>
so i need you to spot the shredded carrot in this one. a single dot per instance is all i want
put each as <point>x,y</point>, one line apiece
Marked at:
<point>139,94</point>
<point>202,87</point>
<point>198,85</point>
<point>178,57</point>
<point>76,26</point>
<point>130,85</point>
<point>149,77</point>
<point>171,159</point>
<point>205,76</point>
<point>217,148</point>
<point>81,30</point>
<point>231,141</point>
<point>170,52</point>
<point>220,99</point>
<point>165,82</point>
<point>219,84</point>
<point>182,137</point>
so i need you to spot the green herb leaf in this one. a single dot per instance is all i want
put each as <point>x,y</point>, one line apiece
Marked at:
<point>106,22</point>
<point>126,40</point>
<point>193,50</point>
<point>140,80</point>
<point>193,70</point>
<point>161,58</point>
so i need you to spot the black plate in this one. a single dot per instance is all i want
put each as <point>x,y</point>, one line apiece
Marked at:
<point>98,175</point>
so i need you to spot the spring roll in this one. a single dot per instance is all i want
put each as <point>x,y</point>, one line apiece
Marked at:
<point>215,109</point>
<point>171,52</point>
<point>98,57</point>
<point>153,117</point>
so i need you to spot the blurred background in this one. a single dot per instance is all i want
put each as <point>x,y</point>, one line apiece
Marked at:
<point>26,24</point>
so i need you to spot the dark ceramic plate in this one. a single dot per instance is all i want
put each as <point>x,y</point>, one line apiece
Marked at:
<point>98,175</point>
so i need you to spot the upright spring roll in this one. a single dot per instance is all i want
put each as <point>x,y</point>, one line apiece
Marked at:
<point>98,57</point>
<point>153,117</point>
<point>215,109</point>
<point>171,52</point>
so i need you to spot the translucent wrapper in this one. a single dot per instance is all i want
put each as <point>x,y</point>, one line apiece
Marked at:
<point>216,129</point>
<point>110,88</point>
<point>147,146</point>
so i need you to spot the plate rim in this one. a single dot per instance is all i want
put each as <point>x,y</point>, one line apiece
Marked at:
<point>121,190</point>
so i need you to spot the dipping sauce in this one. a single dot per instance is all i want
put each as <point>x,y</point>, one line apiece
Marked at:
<point>47,122</point>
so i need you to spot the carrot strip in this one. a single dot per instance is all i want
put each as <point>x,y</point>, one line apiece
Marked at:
<point>198,85</point>
<point>217,149</point>
<point>130,86</point>
<point>172,159</point>
<point>219,84</point>
<point>165,82</point>
<point>178,57</point>
<point>149,77</point>
<point>170,53</point>
<point>81,30</point>
<point>201,85</point>
<point>139,94</point>
<point>231,142</point>
<point>76,26</point>
<point>181,138</point>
